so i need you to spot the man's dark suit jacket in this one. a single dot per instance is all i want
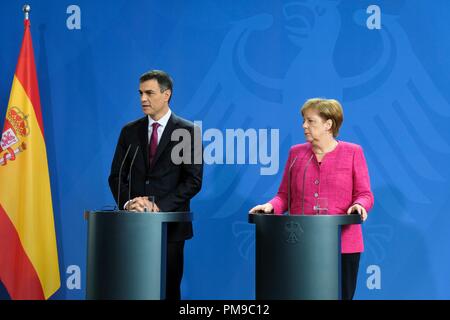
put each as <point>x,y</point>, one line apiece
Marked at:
<point>173,185</point>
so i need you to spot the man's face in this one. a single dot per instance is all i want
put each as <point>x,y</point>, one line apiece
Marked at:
<point>154,102</point>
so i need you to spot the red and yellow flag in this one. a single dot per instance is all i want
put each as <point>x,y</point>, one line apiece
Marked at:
<point>28,252</point>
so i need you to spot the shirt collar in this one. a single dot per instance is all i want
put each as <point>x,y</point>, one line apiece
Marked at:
<point>163,121</point>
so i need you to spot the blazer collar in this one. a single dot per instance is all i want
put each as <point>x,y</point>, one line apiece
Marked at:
<point>143,139</point>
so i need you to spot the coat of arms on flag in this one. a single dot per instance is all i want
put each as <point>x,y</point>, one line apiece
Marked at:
<point>15,128</point>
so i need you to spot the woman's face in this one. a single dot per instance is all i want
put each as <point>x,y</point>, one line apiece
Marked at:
<point>315,128</point>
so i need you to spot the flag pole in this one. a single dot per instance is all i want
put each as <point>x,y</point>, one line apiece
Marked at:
<point>26,10</point>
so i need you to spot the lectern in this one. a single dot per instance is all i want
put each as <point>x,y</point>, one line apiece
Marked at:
<point>298,256</point>
<point>126,254</point>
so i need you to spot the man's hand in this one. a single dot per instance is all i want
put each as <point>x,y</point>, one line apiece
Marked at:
<point>142,204</point>
<point>358,208</point>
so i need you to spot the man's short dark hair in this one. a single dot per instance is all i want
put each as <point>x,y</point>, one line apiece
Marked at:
<point>164,80</point>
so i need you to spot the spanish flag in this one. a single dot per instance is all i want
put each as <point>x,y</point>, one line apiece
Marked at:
<point>28,252</point>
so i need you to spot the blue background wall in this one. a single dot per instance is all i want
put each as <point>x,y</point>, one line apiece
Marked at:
<point>251,65</point>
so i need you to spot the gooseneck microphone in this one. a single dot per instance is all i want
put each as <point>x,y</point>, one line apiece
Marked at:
<point>120,176</point>
<point>129,179</point>
<point>303,187</point>
<point>289,185</point>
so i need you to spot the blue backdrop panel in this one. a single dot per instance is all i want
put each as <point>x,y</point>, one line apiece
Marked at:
<point>251,65</point>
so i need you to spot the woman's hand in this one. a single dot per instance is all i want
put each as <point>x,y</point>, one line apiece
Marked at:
<point>262,208</point>
<point>358,208</point>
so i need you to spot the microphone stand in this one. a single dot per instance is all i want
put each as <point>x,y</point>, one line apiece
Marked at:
<point>120,176</point>
<point>129,179</point>
<point>289,185</point>
<point>303,187</point>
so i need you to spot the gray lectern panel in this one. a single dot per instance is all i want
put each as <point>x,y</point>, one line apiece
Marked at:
<point>127,254</point>
<point>298,256</point>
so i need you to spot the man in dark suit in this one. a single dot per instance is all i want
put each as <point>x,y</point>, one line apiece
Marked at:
<point>166,167</point>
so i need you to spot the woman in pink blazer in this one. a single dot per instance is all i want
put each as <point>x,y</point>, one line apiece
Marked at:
<point>327,176</point>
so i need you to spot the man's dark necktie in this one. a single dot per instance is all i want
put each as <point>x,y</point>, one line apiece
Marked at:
<point>153,142</point>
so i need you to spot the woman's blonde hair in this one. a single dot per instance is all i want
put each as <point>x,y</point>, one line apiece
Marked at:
<point>327,109</point>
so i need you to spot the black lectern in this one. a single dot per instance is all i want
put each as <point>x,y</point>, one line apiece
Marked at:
<point>126,254</point>
<point>298,256</point>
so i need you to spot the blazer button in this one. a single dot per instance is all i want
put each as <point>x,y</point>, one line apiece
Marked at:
<point>147,182</point>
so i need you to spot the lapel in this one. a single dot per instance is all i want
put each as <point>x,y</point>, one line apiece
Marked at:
<point>143,139</point>
<point>165,137</point>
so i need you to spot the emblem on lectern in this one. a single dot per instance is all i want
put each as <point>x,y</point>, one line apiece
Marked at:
<point>294,231</point>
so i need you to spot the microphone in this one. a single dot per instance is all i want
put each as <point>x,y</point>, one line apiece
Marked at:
<point>289,185</point>
<point>303,188</point>
<point>129,179</point>
<point>120,176</point>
